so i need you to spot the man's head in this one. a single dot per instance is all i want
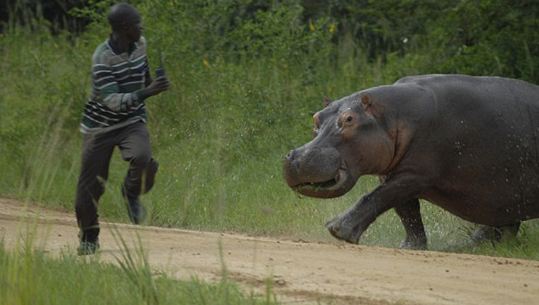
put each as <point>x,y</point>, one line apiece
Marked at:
<point>125,21</point>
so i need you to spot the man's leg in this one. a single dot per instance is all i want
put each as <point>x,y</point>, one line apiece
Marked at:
<point>135,148</point>
<point>96,153</point>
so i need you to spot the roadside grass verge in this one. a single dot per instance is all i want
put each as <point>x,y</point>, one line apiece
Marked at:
<point>30,276</point>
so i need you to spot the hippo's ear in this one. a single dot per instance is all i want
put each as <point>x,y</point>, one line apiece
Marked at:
<point>369,107</point>
<point>366,101</point>
<point>327,101</point>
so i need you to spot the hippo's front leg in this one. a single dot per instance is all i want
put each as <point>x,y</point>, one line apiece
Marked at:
<point>350,225</point>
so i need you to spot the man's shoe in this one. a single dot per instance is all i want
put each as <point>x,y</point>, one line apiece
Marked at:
<point>135,210</point>
<point>87,248</point>
<point>89,241</point>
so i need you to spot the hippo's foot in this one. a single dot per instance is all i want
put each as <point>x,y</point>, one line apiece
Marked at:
<point>414,244</point>
<point>494,234</point>
<point>343,228</point>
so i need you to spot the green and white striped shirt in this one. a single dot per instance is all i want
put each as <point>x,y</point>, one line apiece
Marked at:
<point>116,78</point>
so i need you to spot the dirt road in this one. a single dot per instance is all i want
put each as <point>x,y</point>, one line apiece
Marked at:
<point>302,273</point>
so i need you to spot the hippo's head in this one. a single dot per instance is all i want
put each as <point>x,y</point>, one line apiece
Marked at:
<point>351,138</point>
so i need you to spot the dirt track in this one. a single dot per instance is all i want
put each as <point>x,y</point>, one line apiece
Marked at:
<point>304,273</point>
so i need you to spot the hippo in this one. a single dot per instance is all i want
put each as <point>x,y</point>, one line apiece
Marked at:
<point>467,144</point>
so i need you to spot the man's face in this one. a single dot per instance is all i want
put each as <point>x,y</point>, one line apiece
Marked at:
<point>133,28</point>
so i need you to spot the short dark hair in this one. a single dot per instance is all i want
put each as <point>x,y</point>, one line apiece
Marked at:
<point>119,13</point>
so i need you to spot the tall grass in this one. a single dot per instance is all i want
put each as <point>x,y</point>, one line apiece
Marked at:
<point>243,92</point>
<point>29,276</point>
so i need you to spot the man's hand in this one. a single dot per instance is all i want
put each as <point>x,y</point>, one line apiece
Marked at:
<point>157,86</point>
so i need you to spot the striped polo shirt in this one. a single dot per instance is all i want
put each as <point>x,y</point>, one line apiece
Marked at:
<point>114,101</point>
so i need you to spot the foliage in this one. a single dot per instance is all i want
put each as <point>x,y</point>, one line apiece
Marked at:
<point>489,37</point>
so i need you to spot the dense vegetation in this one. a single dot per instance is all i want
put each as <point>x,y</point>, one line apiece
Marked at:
<point>247,76</point>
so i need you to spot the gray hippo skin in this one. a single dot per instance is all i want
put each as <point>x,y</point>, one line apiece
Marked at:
<point>467,144</point>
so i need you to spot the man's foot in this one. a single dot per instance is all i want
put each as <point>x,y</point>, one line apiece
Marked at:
<point>87,248</point>
<point>89,241</point>
<point>135,210</point>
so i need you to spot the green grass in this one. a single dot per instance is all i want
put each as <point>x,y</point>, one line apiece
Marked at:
<point>29,276</point>
<point>239,101</point>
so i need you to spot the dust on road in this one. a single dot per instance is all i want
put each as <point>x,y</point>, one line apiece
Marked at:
<point>301,272</point>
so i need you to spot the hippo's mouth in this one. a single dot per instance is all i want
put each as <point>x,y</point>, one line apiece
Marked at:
<point>337,183</point>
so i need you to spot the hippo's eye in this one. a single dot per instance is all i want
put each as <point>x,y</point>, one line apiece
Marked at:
<point>347,119</point>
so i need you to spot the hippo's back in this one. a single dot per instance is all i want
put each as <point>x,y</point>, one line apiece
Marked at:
<point>489,104</point>
<point>489,89</point>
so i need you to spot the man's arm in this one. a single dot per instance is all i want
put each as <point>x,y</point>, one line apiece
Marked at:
<point>106,85</point>
<point>108,90</point>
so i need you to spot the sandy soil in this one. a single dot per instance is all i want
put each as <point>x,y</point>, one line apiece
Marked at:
<point>301,272</point>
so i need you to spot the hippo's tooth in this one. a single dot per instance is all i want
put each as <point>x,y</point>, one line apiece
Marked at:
<point>340,179</point>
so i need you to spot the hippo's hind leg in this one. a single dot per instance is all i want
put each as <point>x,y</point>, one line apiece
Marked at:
<point>410,216</point>
<point>495,234</point>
